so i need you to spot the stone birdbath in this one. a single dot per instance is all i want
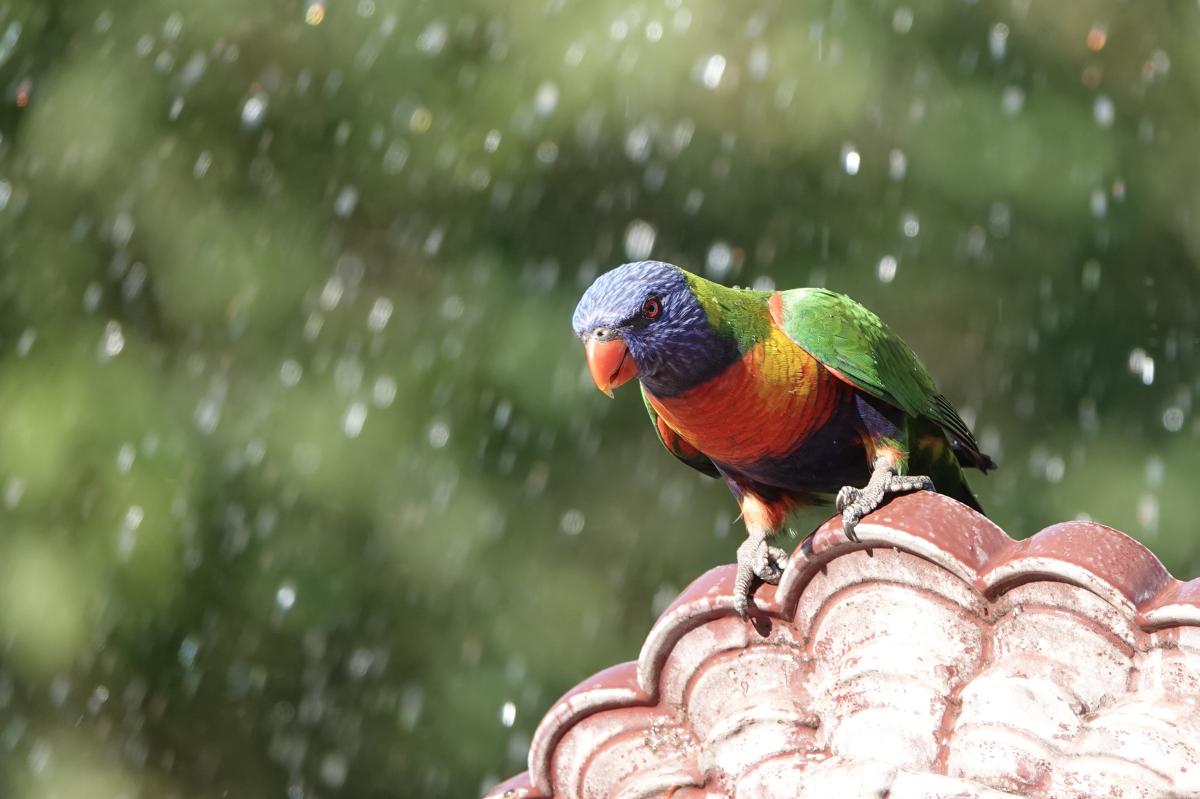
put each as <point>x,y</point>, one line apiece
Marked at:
<point>937,657</point>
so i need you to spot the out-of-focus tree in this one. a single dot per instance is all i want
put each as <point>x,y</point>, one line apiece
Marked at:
<point>304,488</point>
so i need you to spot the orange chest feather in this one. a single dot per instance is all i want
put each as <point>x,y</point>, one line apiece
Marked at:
<point>763,406</point>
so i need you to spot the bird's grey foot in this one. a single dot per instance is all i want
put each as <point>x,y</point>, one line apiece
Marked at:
<point>756,559</point>
<point>855,503</point>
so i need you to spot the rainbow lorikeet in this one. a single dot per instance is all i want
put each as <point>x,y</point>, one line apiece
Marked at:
<point>788,396</point>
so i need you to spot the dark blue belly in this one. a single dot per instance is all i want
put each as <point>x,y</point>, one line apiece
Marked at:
<point>832,457</point>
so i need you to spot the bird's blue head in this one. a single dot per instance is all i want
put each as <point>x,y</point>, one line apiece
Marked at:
<point>643,320</point>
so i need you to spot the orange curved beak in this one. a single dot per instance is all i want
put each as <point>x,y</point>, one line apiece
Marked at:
<point>610,363</point>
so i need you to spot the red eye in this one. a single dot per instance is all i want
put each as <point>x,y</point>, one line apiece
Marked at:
<point>651,308</point>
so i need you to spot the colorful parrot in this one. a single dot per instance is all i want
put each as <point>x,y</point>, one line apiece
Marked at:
<point>788,396</point>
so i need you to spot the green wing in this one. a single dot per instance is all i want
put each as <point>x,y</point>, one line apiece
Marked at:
<point>854,342</point>
<point>677,445</point>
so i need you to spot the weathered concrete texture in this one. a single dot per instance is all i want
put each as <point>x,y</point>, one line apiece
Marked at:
<point>936,658</point>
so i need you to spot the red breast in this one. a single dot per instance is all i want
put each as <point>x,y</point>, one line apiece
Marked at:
<point>762,406</point>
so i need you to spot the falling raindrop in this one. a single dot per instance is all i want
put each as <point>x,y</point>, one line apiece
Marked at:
<point>334,770</point>
<point>1147,512</point>
<point>112,342</point>
<point>285,596</point>
<point>998,41</point>
<point>639,240</point>
<point>547,153</point>
<point>25,342</point>
<point>851,160</point>
<point>203,162</point>
<point>189,647</point>
<point>8,42</point>
<point>207,415</point>
<point>314,14</point>
<point>14,489</point>
<point>254,109</point>
<point>395,157</point>
<point>125,457</point>
<point>572,522</point>
<point>1141,364</point>
<point>711,70</point>
<point>290,372</point>
<point>887,268</point>
<point>439,434</point>
<point>1012,100</point>
<point>433,38</point>
<point>383,394</point>
<point>352,422</point>
<point>381,313</point>
<point>347,200</point>
<point>637,143</point>
<point>760,61</point>
<point>718,261</point>
<point>546,99</point>
<point>453,307</point>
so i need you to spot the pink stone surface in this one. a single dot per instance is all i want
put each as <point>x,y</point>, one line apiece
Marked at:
<point>938,657</point>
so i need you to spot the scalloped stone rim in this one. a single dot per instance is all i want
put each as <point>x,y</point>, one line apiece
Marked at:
<point>961,543</point>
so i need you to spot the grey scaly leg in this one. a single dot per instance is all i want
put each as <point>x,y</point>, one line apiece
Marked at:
<point>756,559</point>
<point>855,503</point>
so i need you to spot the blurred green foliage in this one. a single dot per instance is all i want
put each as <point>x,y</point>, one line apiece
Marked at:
<point>305,491</point>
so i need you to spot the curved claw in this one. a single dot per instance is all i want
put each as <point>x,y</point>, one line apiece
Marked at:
<point>756,560</point>
<point>855,503</point>
<point>850,520</point>
<point>845,498</point>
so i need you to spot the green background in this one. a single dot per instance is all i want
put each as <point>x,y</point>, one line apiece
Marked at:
<point>305,490</point>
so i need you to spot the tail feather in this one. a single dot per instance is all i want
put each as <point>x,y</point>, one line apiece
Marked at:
<point>953,484</point>
<point>942,457</point>
<point>972,458</point>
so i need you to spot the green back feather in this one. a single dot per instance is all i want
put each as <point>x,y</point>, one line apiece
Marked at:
<point>738,313</point>
<point>847,337</point>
